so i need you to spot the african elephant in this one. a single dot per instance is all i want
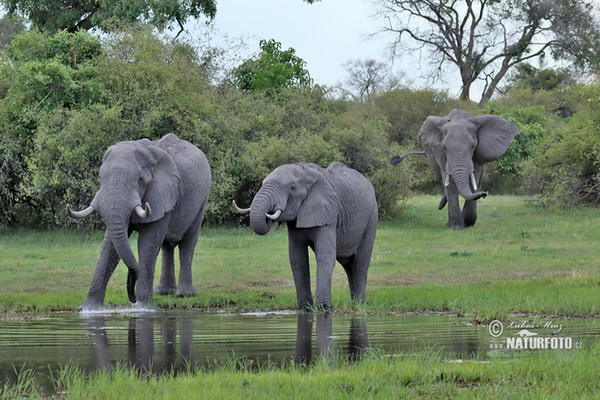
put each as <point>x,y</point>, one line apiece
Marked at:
<point>457,147</point>
<point>333,211</point>
<point>171,177</point>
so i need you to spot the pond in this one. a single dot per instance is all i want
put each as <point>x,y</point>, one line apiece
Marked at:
<point>175,340</point>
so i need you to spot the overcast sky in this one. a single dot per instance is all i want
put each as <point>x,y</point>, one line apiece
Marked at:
<point>325,34</point>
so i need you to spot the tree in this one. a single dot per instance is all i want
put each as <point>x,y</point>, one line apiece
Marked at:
<point>367,78</point>
<point>9,29</point>
<point>484,39</point>
<point>73,15</point>
<point>272,69</point>
<point>526,75</point>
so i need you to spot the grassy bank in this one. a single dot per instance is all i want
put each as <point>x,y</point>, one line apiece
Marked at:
<point>519,258</point>
<point>572,374</point>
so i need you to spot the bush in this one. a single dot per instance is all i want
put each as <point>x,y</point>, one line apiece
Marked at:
<point>566,166</point>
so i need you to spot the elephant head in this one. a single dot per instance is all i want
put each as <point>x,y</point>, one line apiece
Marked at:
<point>133,174</point>
<point>293,192</point>
<point>458,145</point>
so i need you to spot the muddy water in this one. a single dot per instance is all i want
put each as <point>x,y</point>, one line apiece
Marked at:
<point>175,340</point>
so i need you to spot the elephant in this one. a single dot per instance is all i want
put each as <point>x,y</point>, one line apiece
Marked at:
<point>457,147</point>
<point>171,177</point>
<point>333,211</point>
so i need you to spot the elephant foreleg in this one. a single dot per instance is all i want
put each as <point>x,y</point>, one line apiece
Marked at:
<point>469,211</point>
<point>105,266</point>
<point>455,218</point>
<point>150,239</point>
<point>325,253</point>
<point>298,253</point>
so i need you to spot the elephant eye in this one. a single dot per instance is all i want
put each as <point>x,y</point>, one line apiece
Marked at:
<point>293,187</point>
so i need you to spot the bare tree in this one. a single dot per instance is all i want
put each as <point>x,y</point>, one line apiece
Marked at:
<point>367,78</point>
<point>484,39</point>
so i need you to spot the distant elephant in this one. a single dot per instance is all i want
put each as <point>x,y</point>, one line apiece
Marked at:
<point>457,147</point>
<point>333,211</point>
<point>171,177</point>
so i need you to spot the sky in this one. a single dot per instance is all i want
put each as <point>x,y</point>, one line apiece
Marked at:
<point>325,34</point>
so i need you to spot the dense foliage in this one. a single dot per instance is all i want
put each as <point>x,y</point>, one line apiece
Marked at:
<point>74,15</point>
<point>66,97</point>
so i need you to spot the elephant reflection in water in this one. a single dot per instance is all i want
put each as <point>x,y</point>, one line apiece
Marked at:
<point>148,355</point>
<point>358,340</point>
<point>141,348</point>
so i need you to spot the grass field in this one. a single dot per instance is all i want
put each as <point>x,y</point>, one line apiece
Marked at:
<point>520,258</point>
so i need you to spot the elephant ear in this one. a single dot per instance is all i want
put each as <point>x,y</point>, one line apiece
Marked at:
<point>494,135</point>
<point>164,188</point>
<point>430,134</point>
<point>321,206</point>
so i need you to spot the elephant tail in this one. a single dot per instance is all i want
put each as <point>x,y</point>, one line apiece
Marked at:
<point>399,158</point>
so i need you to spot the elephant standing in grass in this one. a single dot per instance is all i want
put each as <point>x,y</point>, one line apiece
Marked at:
<point>159,189</point>
<point>457,147</point>
<point>333,211</point>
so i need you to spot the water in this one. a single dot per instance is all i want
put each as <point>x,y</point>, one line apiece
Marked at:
<point>175,340</point>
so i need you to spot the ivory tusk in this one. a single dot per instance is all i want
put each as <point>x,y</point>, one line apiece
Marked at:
<point>143,213</point>
<point>447,180</point>
<point>80,214</point>
<point>473,182</point>
<point>240,210</point>
<point>273,217</point>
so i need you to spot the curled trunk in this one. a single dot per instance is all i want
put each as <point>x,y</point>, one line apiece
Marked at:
<point>258,219</point>
<point>464,188</point>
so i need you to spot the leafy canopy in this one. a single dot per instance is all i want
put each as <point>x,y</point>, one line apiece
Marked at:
<point>73,15</point>
<point>272,69</point>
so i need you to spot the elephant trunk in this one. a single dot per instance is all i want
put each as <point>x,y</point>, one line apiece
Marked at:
<point>461,179</point>
<point>119,237</point>
<point>116,215</point>
<point>263,204</point>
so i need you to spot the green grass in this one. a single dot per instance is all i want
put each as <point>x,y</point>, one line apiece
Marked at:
<point>519,258</point>
<point>535,375</point>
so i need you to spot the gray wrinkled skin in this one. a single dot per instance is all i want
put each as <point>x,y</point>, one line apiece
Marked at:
<point>333,211</point>
<point>457,147</point>
<point>173,177</point>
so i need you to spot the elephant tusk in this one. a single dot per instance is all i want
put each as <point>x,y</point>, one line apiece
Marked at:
<point>274,216</point>
<point>447,180</point>
<point>143,213</point>
<point>473,182</point>
<point>80,214</point>
<point>240,210</point>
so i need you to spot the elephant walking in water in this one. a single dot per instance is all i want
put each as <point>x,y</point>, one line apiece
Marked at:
<point>457,147</point>
<point>159,189</point>
<point>333,211</point>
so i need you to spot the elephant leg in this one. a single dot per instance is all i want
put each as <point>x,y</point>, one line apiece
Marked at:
<point>186,257</point>
<point>469,212</point>
<point>325,253</point>
<point>455,218</point>
<point>150,239</point>
<point>167,283</point>
<point>105,266</point>
<point>298,253</point>
<point>361,262</point>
